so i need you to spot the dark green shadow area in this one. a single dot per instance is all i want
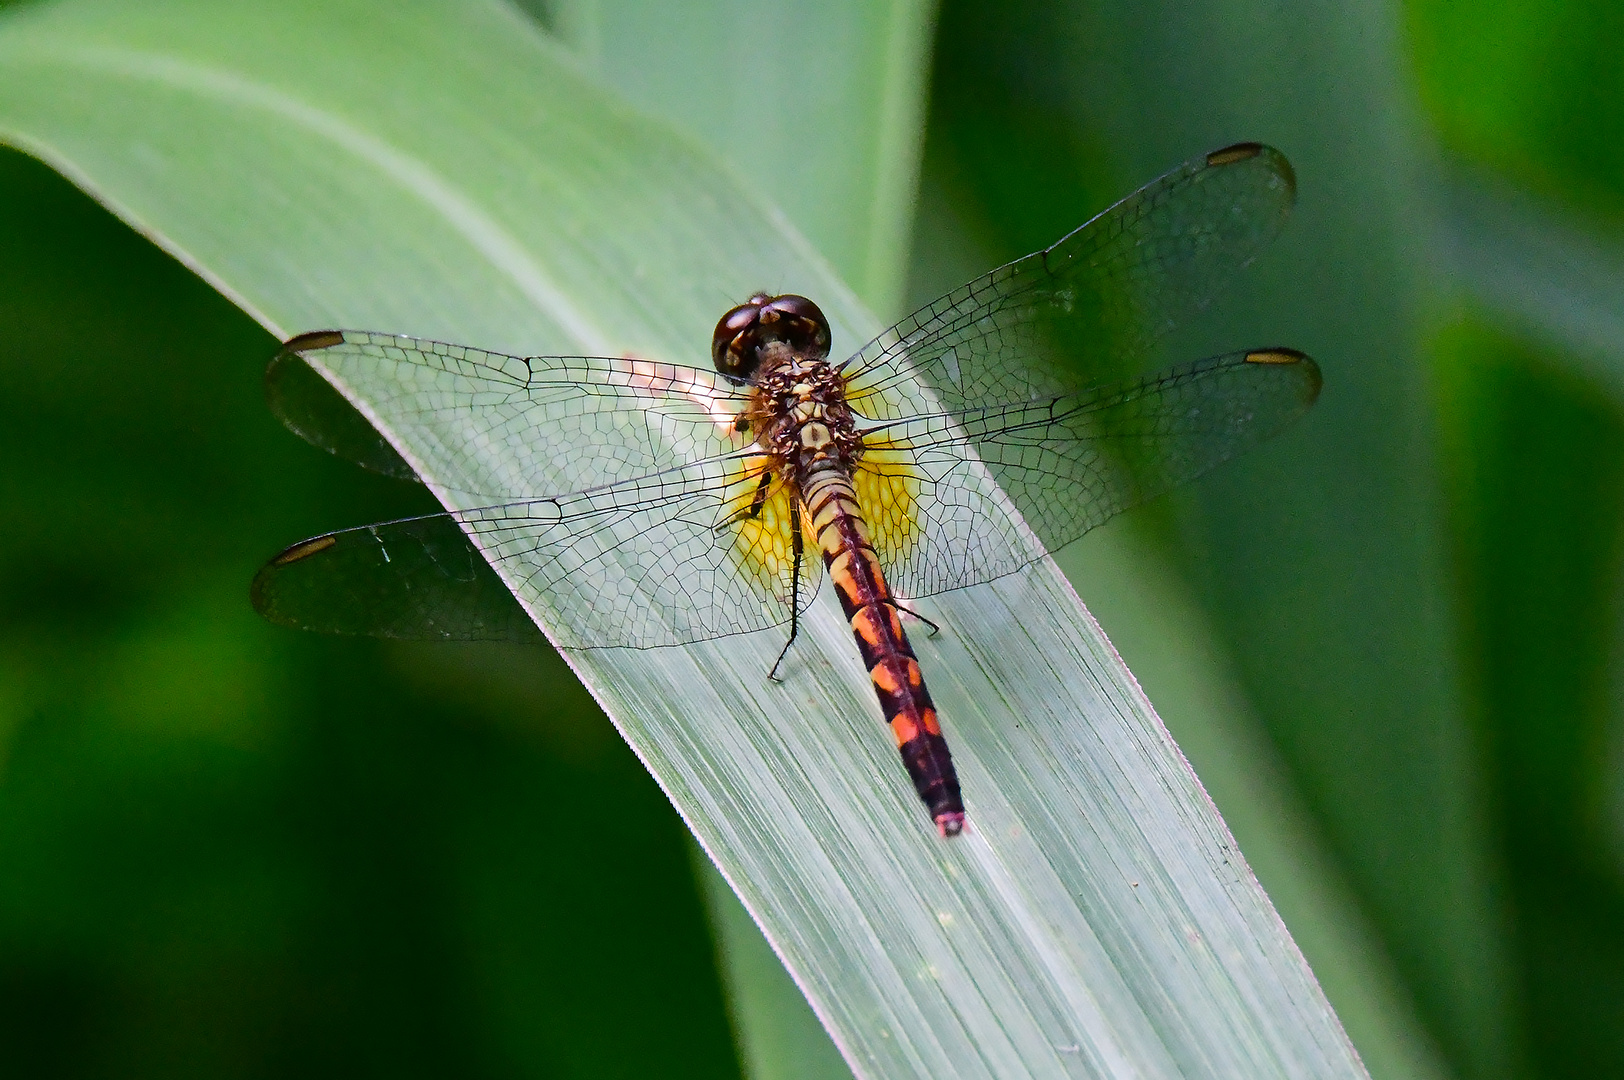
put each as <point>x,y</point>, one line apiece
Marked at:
<point>1532,90</point>
<point>232,850</point>
<point>1538,462</point>
<point>1534,94</point>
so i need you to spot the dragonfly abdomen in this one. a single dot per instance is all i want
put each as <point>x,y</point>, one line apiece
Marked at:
<point>837,522</point>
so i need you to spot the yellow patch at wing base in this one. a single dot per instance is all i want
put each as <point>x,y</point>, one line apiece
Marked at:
<point>763,543</point>
<point>887,484</point>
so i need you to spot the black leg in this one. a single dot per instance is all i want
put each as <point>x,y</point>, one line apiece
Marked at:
<point>756,503</point>
<point>794,588</point>
<point>934,629</point>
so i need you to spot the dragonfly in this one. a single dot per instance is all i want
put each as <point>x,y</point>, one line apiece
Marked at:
<point>709,501</point>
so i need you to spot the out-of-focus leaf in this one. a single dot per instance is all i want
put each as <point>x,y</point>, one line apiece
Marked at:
<point>1525,100</point>
<point>1533,270</point>
<point>817,106</point>
<point>1537,456</point>
<point>778,1034</point>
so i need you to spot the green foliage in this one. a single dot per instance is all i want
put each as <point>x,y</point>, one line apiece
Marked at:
<point>1389,644</point>
<point>1536,449</point>
<point>1534,90</point>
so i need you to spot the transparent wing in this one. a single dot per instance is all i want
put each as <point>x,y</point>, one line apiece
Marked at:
<point>419,579</point>
<point>554,422</point>
<point>660,559</point>
<point>992,351</point>
<point>1067,463</point>
<point>1076,314</point>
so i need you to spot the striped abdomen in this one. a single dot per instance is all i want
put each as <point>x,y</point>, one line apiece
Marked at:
<point>832,512</point>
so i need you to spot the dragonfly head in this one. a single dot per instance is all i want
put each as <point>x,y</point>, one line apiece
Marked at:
<point>743,333</point>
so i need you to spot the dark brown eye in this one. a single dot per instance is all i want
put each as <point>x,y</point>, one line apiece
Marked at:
<point>798,323</point>
<point>741,333</point>
<point>733,345</point>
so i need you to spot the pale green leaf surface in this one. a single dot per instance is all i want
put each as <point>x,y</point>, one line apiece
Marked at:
<point>444,172</point>
<point>838,150</point>
<point>840,153</point>
<point>1171,646</point>
<point>1159,628</point>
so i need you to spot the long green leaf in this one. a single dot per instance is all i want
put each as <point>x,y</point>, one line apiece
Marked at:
<point>442,171</point>
<point>1158,626</point>
<point>1326,565</point>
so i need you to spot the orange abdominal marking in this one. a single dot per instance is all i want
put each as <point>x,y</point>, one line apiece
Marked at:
<point>870,623</point>
<point>903,730</point>
<point>885,679</point>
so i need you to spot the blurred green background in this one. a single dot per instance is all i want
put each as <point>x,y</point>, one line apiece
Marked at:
<point>228,850</point>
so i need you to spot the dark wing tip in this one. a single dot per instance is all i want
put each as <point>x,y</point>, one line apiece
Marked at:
<point>1276,356</point>
<point>304,549</point>
<point>1285,357</point>
<point>312,341</point>
<point>1246,151</point>
<point>1240,151</point>
<point>262,591</point>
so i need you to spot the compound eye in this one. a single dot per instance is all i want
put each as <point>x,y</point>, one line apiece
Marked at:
<point>798,323</point>
<point>733,345</point>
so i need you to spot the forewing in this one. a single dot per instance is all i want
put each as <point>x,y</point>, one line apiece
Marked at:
<point>1067,463</point>
<point>1078,313</point>
<point>554,422</point>
<point>660,559</point>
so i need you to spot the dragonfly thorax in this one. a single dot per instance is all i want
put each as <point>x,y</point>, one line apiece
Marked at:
<point>799,411</point>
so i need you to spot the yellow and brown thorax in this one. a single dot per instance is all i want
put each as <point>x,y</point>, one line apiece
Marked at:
<point>799,413</point>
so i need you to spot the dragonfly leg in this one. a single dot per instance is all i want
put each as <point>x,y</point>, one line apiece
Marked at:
<point>794,588</point>
<point>753,511</point>
<point>934,629</point>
